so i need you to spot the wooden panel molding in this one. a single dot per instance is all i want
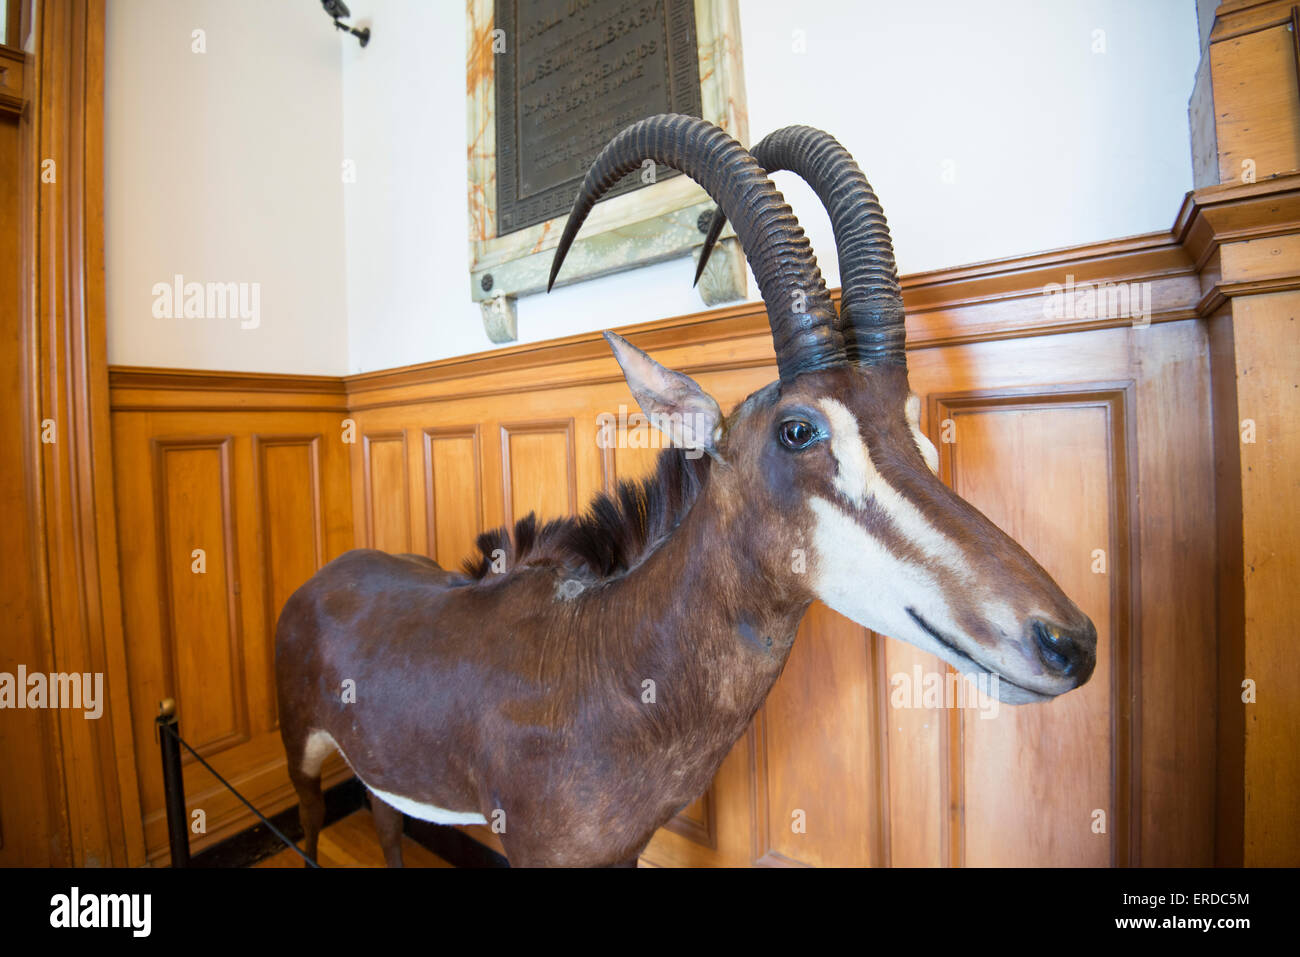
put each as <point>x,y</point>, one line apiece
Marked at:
<point>1084,436</point>
<point>272,482</point>
<point>74,604</point>
<point>386,494</point>
<point>453,492</point>
<point>1260,138</point>
<point>1253,62</point>
<point>140,389</point>
<point>982,302</point>
<point>32,816</point>
<point>13,80</point>
<point>823,722</point>
<point>197,567</point>
<point>530,479</point>
<point>1258,364</point>
<point>292,524</point>
<point>698,821</point>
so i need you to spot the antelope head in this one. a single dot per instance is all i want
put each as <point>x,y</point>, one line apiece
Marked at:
<point>829,461</point>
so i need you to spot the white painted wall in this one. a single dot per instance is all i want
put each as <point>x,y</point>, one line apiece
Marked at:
<point>1050,145</point>
<point>223,166</point>
<point>406,215</point>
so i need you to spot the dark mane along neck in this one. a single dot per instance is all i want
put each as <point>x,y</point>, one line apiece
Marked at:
<point>617,531</point>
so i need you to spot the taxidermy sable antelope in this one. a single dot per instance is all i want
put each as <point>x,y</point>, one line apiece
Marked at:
<point>514,694</point>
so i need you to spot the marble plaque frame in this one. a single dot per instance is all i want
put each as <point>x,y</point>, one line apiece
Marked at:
<point>647,225</point>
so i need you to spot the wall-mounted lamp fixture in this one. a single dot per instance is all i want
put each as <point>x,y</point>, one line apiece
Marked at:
<point>339,10</point>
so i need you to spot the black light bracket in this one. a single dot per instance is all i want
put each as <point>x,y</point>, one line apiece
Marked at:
<point>338,10</point>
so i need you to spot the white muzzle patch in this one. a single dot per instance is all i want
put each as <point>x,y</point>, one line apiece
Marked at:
<point>861,577</point>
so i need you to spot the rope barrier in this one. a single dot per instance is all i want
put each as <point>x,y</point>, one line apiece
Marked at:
<point>169,779</point>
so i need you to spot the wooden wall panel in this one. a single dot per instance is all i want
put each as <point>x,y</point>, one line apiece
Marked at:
<point>32,832</point>
<point>387,494</point>
<point>1266,337</point>
<point>1257,101</point>
<point>917,768</point>
<point>1173,468</point>
<point>453,491</point>
<point>1230,616</point>
<point>698,820</point>
<point>626,463</point>
<point>821,724</point>
<point>539,468</point>
<point>1031,779</point>
<point>288,487</point>
<point>202,630</point>
<point>1245,232</point>
<point>1162,374</point>
<point>266,492</point>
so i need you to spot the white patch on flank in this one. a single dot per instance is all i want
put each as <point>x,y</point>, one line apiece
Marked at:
<point>858,480</point>
<point>928,452</point>
<point>316,749</point>
<point>320,743</point>
<point>427,812</point>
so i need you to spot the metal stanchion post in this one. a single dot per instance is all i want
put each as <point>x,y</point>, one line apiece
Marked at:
<point>178,833</point>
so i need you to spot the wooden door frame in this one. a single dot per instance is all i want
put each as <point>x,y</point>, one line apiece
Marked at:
<point>70,479</point>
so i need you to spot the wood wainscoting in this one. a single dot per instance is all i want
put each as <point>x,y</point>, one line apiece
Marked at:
<point>231,491</point>
<point>1088,439</point>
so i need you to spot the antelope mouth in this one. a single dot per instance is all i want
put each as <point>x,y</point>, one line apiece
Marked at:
<point>1007,690</point>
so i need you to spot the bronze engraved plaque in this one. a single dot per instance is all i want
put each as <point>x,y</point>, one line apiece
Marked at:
<point>572,75</point>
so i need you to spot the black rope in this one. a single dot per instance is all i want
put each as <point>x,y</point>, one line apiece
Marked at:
<point>274,830</point>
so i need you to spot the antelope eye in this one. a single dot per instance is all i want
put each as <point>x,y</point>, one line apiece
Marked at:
<point>797,434</point>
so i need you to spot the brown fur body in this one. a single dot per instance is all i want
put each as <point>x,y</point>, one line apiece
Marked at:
<point>522,691</point>
<point>502,693</point>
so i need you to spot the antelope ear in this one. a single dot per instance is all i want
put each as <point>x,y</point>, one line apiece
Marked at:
<point>675,403</point>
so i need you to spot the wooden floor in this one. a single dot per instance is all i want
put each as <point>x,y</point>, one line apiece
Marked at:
<point>352,842</point>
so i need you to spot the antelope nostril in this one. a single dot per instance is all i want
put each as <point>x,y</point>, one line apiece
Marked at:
<point>1059,651</point>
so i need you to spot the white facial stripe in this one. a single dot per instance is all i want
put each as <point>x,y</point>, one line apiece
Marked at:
<point>320,743</point>
<point>863,580</point>
<point>928,452</point>
<point>853,469</point>
<point>858,480</point>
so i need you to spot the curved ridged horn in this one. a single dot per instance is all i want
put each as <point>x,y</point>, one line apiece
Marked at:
<point>799,308</point>
<point>871,300</point>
